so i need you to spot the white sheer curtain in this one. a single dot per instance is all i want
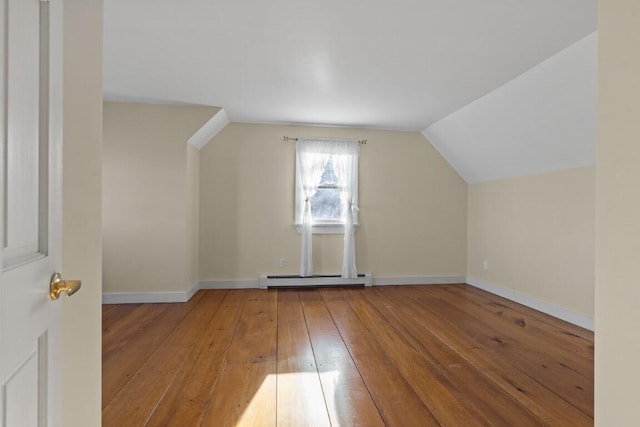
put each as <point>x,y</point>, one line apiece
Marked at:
<point>311,157</point>
<point>345,160</point>
<point>310,171</point>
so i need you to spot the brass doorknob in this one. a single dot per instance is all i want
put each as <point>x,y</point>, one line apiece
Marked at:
<point>58,286</point>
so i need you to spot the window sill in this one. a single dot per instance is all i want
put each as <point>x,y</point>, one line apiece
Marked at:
<point>325,228</point>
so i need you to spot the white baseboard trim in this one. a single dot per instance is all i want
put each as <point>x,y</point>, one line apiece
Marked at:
<point>149,297</point>
<point>417,280</point>
<point>376,281</point>
<point>191,292</point>
<point>166,297</point>
<point>229,284</point>
<point>531,302</point>
<point>143,297</point>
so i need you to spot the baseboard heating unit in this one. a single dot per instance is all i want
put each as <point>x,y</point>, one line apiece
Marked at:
<point>295,281</point>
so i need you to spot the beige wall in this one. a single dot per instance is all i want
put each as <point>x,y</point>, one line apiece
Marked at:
<point>537,235</point>
<point>618,215</point>
<point>147,171</point>
<point>193,214</point>
<point>82,243</point>
<point>412,206</point>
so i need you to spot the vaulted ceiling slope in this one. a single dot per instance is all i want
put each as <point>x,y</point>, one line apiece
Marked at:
<point>404,64</point>
<point>543,120</point>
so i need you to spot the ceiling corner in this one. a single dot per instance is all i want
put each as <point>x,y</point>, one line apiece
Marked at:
<point>210,129</point>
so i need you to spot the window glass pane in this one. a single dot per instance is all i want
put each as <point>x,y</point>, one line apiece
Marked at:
<point>325,202</point>
<point>325,205</point>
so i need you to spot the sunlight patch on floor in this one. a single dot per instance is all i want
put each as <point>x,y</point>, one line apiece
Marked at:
<point>303,392</point>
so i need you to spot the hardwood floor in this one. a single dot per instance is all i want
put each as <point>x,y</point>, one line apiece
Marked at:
<point>448,355</point>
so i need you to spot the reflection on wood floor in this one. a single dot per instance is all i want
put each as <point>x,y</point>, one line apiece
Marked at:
<point>412,356</point>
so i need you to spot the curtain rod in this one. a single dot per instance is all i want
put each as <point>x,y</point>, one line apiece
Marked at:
<point>287,139</point>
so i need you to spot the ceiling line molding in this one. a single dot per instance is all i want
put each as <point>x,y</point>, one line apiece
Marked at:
<point>210,129</point>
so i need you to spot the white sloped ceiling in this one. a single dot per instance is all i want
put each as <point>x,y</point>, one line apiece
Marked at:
<point>542,120</point>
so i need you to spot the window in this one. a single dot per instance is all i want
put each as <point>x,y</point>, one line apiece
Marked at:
<point>327,197</point>
<point>326,175</point>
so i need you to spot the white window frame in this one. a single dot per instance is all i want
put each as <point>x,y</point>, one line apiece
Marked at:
<point>323,227</point>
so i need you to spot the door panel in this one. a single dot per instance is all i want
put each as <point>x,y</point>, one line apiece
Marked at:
<point>26,135</point>
<point>30,211</point>
<point>19,389</point>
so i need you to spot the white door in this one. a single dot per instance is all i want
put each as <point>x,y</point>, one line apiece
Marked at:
<point>30,213</point>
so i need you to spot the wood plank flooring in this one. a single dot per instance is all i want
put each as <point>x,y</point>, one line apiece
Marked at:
<point>449,355</point>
